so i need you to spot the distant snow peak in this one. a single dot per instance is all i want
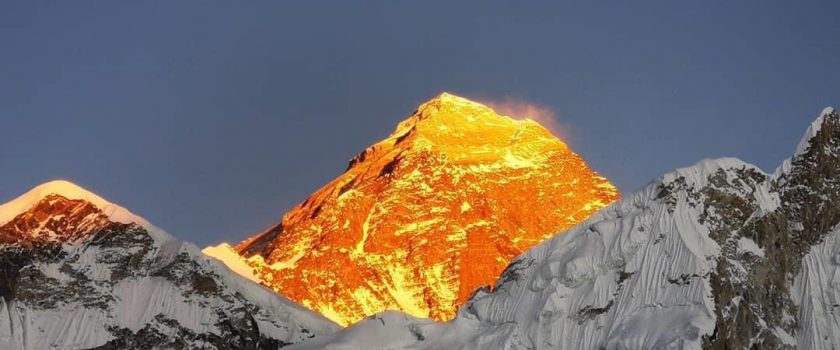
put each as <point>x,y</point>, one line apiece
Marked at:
<point>79,272</point>
<point>62,188</point>
<point>828,114</point>
<point>71,191</point>
<point>814,128</point>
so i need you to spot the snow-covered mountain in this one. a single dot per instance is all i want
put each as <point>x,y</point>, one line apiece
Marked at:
<point>78,272</point>
<point>421,219</point>
<point>719,255</point>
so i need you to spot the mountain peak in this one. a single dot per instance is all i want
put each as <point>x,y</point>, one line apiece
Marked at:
<point>70,191</point>
<point>828,117</point>
<point>61,188</point>
<point>446,99</point>
<point>78,272</point>
<point>449,112</point>
<point>421,219</point>
<point>814,128</point>
<point>461,128</point>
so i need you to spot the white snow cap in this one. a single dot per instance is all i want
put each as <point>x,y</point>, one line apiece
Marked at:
<point>812,130</point>
<point>697,175</point>
<point>804,143</point>
<point>70,190</point>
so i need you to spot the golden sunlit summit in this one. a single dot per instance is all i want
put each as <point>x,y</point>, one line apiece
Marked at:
<point>421,219</point>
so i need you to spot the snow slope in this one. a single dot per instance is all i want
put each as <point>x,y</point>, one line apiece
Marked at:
<point>226,254</point>
<point>817,291</point>
<point>716,255</point>
<point>121,283</point>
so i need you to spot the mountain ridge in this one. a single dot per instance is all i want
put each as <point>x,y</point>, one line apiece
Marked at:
<point>718,255</point>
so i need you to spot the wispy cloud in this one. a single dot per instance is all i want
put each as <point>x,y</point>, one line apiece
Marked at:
<point>520,109</point>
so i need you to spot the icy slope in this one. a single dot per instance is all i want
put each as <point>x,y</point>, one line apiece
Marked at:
<point>78,272</point>
<point>718,255</point>
<point>817,291</point>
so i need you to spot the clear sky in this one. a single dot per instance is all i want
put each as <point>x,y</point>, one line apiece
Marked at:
<point>211,119</point>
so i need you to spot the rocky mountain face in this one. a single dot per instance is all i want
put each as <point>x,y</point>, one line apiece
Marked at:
<point>719,255</point>
<point>421,219</point>
<point>77,272</point>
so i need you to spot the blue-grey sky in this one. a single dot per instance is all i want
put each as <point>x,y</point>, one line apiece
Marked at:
<point>211,119</point>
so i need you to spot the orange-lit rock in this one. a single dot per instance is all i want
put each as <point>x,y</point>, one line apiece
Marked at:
<point>423,218</point>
